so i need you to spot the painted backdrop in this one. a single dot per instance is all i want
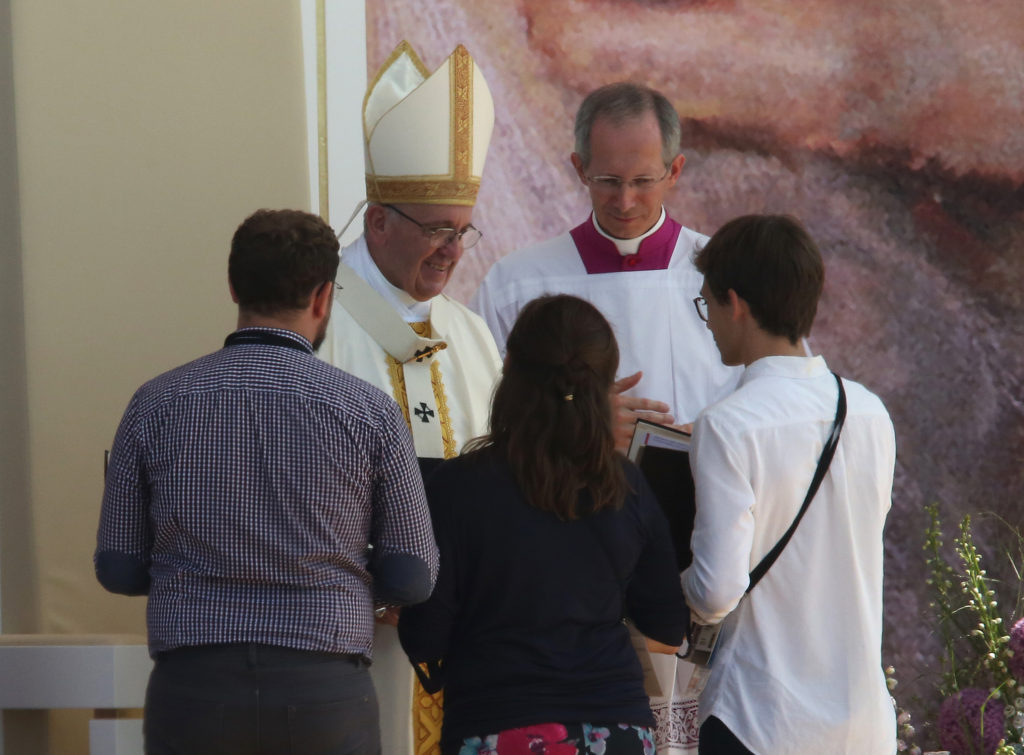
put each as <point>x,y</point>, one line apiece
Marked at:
<point>893,130</point>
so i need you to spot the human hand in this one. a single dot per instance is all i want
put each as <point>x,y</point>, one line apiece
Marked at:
<point>626,410</point>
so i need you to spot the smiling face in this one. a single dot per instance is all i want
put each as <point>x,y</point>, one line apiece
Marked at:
<point>627,150</point>
<point>404,253</point>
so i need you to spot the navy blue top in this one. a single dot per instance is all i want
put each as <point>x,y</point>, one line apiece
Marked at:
<point>527,611</point>
<point>243,490</point>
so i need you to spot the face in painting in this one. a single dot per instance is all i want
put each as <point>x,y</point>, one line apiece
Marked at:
<point>408,258</point>
<point>630,152</point>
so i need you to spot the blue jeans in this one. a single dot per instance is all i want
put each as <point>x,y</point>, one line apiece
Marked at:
<point>252,699</point>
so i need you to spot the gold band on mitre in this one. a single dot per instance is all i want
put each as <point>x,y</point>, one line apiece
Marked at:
<point>421,190</point>
<point>426,136</point>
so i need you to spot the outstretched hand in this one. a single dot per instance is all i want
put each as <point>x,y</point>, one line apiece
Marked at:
<point>626,410</point>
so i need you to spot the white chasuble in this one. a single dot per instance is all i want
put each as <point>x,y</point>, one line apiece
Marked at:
<point>442,380</point>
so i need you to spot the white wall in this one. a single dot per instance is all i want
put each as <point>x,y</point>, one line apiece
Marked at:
<point>134,137</point>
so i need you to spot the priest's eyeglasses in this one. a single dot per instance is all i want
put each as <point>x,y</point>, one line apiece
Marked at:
<point>439,237</point>
<point>614,184</point>
<point>701,305</point>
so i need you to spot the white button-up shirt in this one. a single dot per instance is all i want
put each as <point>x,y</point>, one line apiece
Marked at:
<point>798,666</point>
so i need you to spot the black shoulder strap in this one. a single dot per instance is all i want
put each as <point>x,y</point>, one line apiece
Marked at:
<point>823,463</point>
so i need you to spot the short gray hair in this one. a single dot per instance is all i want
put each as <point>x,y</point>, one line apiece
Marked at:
<point>625,101</point>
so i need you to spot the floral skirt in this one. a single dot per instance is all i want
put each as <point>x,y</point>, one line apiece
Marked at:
<point>561,739</point>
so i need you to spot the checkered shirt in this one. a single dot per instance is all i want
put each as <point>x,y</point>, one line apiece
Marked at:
<point>251,482</point>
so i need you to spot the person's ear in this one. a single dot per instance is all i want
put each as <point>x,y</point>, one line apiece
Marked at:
<point>675,168</point>
<point>577,163</point>
<point>376,222</point>
<point>322,299</point>
<point>738,307</point>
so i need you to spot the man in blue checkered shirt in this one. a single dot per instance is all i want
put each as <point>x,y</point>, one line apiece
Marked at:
<point>265,501</point>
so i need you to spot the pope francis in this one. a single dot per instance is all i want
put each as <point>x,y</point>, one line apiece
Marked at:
<point>426,137</point>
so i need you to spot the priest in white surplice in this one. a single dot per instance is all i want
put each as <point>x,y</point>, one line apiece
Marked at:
<point>426,137</point>
<point>634,263</point>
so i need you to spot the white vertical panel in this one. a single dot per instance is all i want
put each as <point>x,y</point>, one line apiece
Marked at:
<point>345,51</point>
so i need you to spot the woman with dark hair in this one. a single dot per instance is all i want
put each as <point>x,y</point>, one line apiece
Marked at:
<point>548,539</point>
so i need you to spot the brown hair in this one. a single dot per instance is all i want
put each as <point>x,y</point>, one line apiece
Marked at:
<point>622,102</point>
<point>551,418</point>
<point>772,264</point>
<point>278,258</point>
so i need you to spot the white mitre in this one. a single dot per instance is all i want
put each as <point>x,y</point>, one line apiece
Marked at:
<point>426,134</point>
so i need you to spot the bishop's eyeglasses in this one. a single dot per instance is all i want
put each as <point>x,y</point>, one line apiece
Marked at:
<point>441,236</point>
<point>614,184</point>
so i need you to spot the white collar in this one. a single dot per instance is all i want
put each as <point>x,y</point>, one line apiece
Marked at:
<point>785,366</point>
<point>627,247</point>
<point>357,256</point>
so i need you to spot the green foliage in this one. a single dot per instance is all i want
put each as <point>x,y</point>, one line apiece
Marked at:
<point>969,621</point>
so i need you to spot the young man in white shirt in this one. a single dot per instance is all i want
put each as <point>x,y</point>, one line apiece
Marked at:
<point>797,668</point>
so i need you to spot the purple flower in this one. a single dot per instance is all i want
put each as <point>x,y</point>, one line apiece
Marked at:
<point>1016,646</point>
<point>960,719</point>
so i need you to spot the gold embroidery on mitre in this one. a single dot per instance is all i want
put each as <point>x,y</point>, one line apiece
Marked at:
<point>447,433</point>
<point>462,114</point>
<point>460,186</point>
<point>373,194</point>
<point>427,190</point>
<point>403,47</point>
<point>427,715</point>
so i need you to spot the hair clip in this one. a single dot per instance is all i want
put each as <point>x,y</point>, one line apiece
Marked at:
<point>568,397</point>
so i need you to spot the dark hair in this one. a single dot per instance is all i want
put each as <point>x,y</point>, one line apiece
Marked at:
<point>771,263</point>
<point>278,258</point>
<point>552,417</point>
<point>622,102</point>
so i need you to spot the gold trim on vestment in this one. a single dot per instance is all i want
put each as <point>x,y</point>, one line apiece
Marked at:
<point>427,717</point>
<point>398,386</point>
<point>427,709</point>
<point>401,395</point>
<point>447,433</point>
